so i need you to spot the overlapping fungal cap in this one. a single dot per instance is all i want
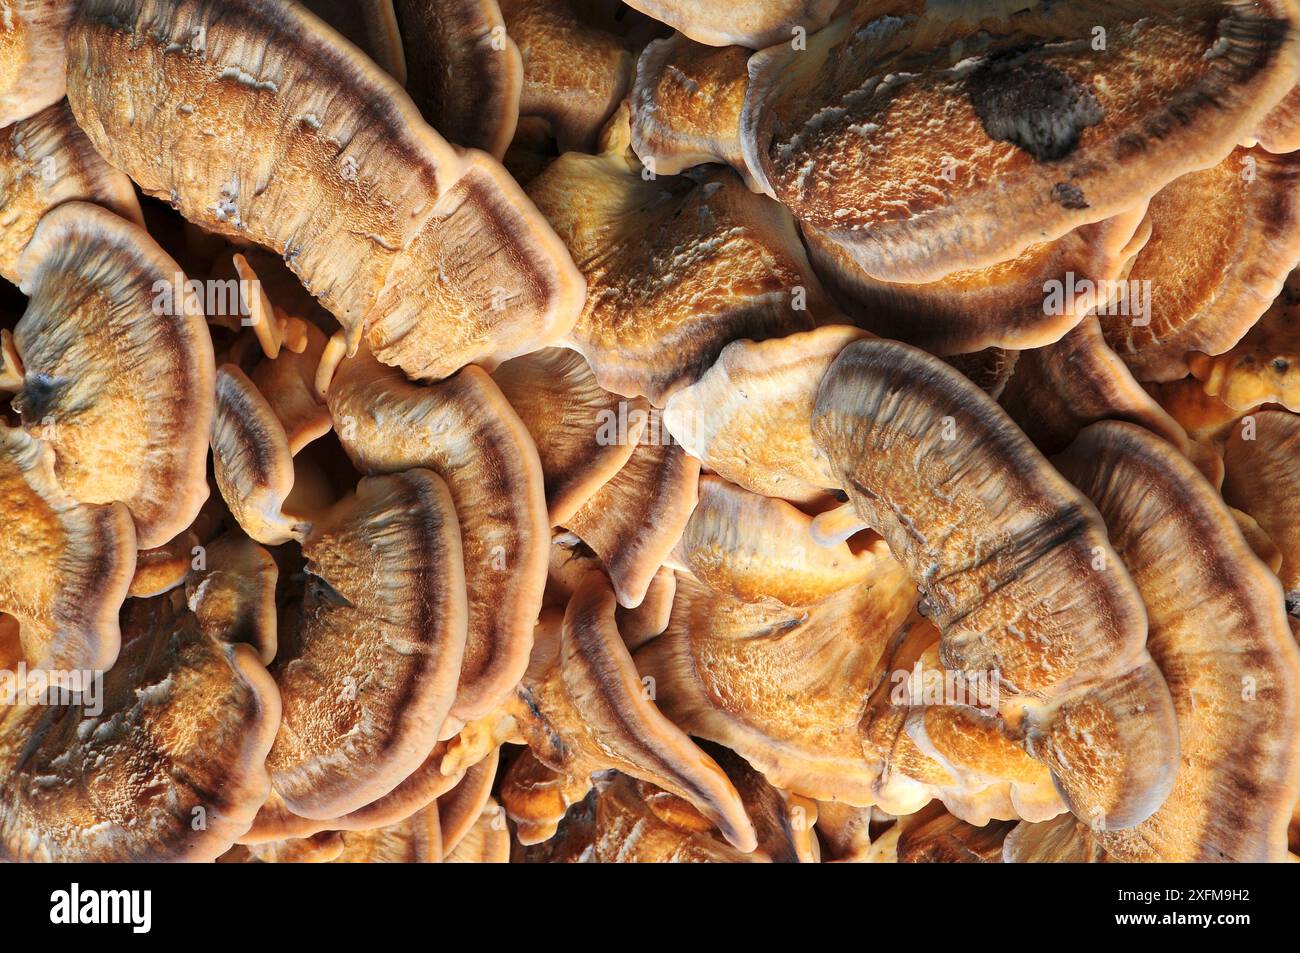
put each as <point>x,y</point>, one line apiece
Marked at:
<point>633,522</point>
<point>587,710</point>
<point>584,434</point>
<point>755,548</point>
<point>1055,391</point>
<point>367,665</point>
<point>464,71</point>
<point>1014,568</point>
<point>934,736</point>
<point>117,376</point>
<point>1223,240</point>
<point>575,74</point>
<point>752,23</point>
<point>252,461</point>
<point>33,59</point>
<point>256,121</point>
<point>463,429</point>
<point>1280,131</point>
<point>686,103</point>
<point>1262,462</point>
<point>230,587</point>
<point>47,160</point>
<point>415,840</point>
<point>783,687</point>
<point>371,25</point>
<point>1028,301</point>
<point>1219,632</point>
<point>676,267</point>
<point>68,565</point>
<point>1044,127</point>
<point>748,417</point>
<point>784,822</point>
<point>161,761</point>
<point>1261,367</point>
<point>164,567</point>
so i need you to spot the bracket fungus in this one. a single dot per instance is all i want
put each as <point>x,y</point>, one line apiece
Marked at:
<point>393,201</point>
<point>175,743</point>
<point>1219,633</point>
<point>1030,555</point>
<point>117,382</point>
<point>641,431</point>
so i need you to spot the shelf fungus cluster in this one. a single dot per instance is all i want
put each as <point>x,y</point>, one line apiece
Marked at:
<point>547,431</point>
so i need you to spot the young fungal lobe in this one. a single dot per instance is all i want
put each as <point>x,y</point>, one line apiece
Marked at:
<point>1045,125</point>
<point>1014,568</point>
<point>257,121</point>
<point>117,368</point>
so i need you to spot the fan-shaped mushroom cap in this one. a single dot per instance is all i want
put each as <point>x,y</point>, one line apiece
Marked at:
<point>1028,301</point>
<point>414,840</point>
<point>459,808</point>
<point>676,267</point>
<point>1041,132</point>
<point>288,384</point>
<point>1006,555</point>
<point>47,160</point>
<point>1262,458</point>
<point>556,395</point>
<point>575,75</point>
<point>589,711</point>
<point>753,548</point>
<point>1262,367</point>
<point>33,58</point>
<point>1062,840</point>
<point>463,70</point>
<point>486,842</point>
<point>947,840</point>
<point>67,565</point>
<point>368,666</point>
<point>785,688</point>
<point>537,799</point>
<point>754,23</point>
<point>686,105</point>
<point>252,461</point>
<point>634,521</point>
<point>1219,634</point>
<point>783,821</point>
<point>748,417</point>
<point>1222,243</point>
<point>371,25</point>
<point>118,384</point>
<point>176,751</point>
<point>1056,391</point>
<point>464,429</point>
<point>237,113</point>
